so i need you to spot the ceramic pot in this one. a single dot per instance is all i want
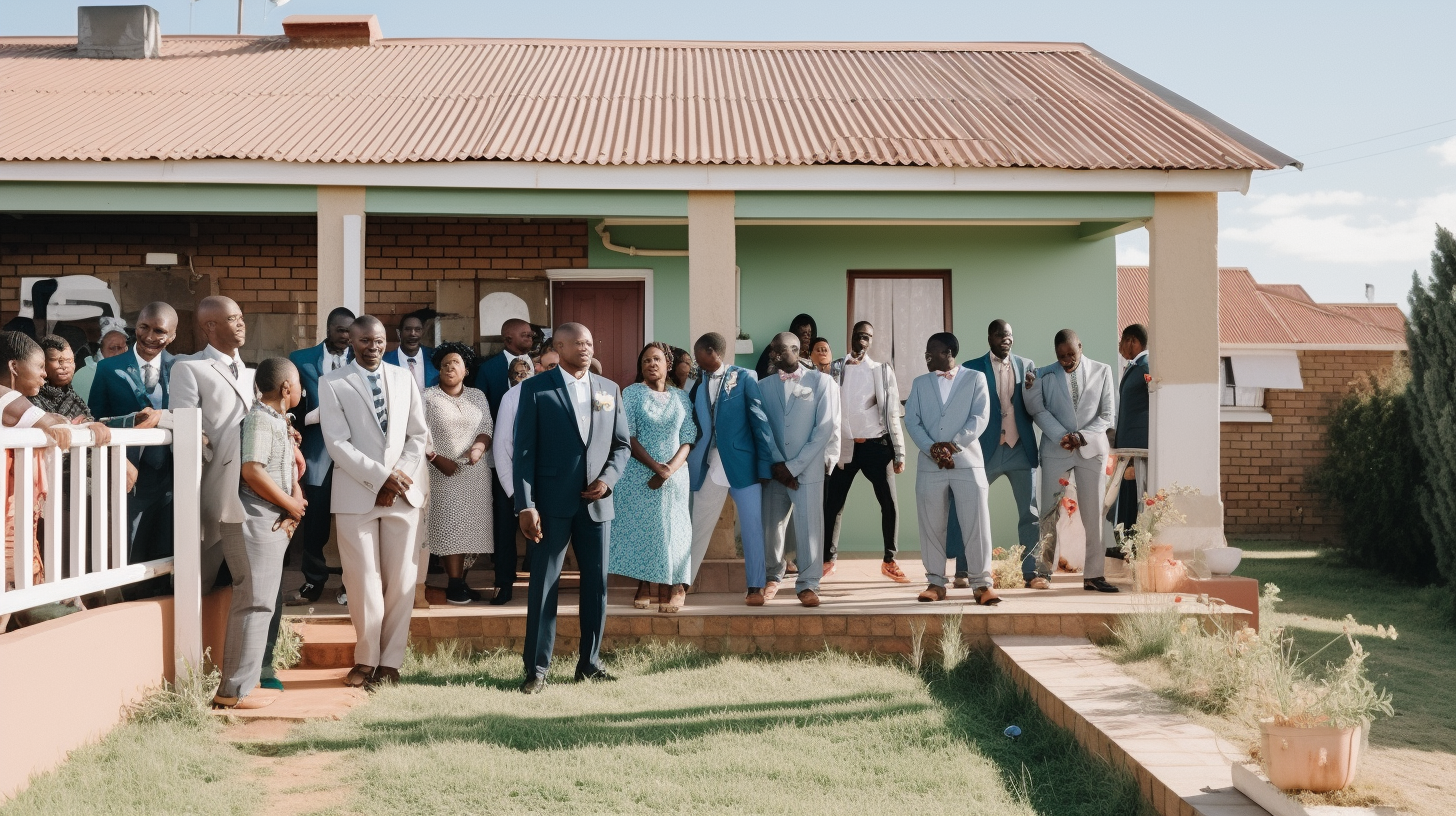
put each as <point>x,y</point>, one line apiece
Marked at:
<point>1318,759</point>
<point>1222,560</point>
<point>1162,573</point>
<point>743,345</point>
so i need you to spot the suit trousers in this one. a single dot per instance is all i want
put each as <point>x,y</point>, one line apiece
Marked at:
<point>313,533</point>
<point>589,540</point>
<point>875,458</point>
<point>1091,478</point>
<point>965,489</point>
<point>149,516</point>
<point>708,507</point>
<point>1012,465</point>
<point>217,563</point>
<point>256,561</point>
<point>504,531</point>
<point>805,508</point>
<point>380,554</point>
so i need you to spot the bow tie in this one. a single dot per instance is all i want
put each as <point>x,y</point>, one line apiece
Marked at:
<point>852,360</point>
<point>949,375</point>
<point>790,375</point>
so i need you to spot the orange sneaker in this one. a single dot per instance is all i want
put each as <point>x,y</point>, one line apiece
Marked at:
<point>891,570</point>
<point>830,567</point>
<point>770,590</point>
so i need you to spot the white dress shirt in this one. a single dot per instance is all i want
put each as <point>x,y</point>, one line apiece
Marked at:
<point>415,365</point>
<point>862,415</point>
<point>714,380</point>
<point>945,384</point>
<point>503,444</point>
<point>155,395</point>
<point>1005,390</point>
<point>333,361</point>
<point>580,391</point>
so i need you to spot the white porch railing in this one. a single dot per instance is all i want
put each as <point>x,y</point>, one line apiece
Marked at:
<point>81,522</point>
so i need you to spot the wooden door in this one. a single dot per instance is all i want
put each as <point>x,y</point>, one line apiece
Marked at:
<point>614,311</point>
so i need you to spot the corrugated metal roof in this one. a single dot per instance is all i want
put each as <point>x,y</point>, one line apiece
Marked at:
<point>596,102</point>
<point>1273,314</point>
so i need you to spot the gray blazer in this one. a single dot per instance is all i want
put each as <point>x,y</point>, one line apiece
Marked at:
<point>203,381</point>
<point>959,420</point>
<point>363,456</point>
<point>805,427</point>
<point>1049,401</point>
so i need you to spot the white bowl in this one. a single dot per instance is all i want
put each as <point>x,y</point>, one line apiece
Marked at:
<point>1222,560</point>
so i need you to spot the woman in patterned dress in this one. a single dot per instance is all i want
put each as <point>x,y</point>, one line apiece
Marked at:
<point>652,534</point>
<point>460,493</point>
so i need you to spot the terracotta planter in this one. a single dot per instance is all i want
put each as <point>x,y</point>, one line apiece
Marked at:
<point>1316,759</point>
<point>1162,573</point>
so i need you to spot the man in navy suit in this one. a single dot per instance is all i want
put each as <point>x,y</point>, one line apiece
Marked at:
<point>737,450</point>
<point>493,378</point>
<point>410,354</point>
<point>132,390</point>
<point>318,476</point>
<point>1132,423</point>
<point>571,446</point>
<point>1008,448</point>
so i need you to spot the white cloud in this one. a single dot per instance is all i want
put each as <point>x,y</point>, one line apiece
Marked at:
<point>1289,204</point>
<point>1446,150</point>
<point>1132,248</point>
<point>1345,228</point>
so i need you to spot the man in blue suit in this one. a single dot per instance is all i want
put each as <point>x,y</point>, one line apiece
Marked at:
<point>493,378</point>
<point>737,450</point>
<point>318,476</point>
<point>571,446</point>
<point>1132,422</point>
<point>410,354</point>
<point>132,390</point>
<point>1008,448</point>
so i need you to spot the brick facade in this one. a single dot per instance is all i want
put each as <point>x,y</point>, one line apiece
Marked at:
<point>1264,464</point>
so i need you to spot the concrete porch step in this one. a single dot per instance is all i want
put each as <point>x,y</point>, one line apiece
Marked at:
<point>715,575</point>
<point>309,694</point>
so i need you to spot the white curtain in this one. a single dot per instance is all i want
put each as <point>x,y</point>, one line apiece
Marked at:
<point>904,312</point>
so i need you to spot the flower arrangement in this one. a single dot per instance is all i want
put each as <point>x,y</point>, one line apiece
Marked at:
<point>603,401</point>
<point>1152,564</point>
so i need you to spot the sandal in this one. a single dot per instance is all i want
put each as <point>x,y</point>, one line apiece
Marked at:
<point>677,600</point>
<point>359,676</point>
<point>664,597</point>
<point>644,595</point>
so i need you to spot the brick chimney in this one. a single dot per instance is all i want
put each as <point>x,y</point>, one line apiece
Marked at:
<point>331,30</point>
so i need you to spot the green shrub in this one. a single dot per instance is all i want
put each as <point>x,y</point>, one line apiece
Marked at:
<point>1373,476</point>
<point>1431,336</point>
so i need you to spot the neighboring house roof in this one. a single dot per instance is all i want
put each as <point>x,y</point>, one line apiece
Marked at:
<point>1255,314</point>
<point>1054,105</point>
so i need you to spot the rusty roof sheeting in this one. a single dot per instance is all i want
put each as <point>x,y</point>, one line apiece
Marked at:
<point>596,102</point>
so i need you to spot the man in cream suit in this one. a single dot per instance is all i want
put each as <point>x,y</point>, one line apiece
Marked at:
<point>802,406</point>
<point>373,423</point>
<point>1071,401</point>
<point>948,409</point>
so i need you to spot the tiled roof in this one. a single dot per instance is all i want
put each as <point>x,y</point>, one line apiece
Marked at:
<point>1052,105</point>
<point>1251,313</point>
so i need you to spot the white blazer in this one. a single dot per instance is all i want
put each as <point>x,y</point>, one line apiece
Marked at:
<point>1049,401</point>
<point>204,381</point>
<point>363,457</point>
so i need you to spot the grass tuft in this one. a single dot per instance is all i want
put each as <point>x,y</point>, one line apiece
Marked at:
<point>288,649</point>
<point>186,702</point>
<point>952,646</point>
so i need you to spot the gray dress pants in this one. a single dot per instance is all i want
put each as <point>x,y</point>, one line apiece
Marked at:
<point>805,507</point>
<point>255,559</point>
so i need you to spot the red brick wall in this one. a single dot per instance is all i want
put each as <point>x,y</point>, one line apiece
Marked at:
<point>1264,464</point>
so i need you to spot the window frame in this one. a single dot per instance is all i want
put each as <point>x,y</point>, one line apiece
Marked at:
<point>943,275</point>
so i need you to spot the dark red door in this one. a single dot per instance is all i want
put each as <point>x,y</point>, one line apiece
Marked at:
<point>613,310</point>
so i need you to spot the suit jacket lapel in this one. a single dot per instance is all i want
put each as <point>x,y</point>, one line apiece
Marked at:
<point>133,376</point>
<point>395,397</point>
<point>236,382</point>
<point>775,392</point>
<point>357,379</point>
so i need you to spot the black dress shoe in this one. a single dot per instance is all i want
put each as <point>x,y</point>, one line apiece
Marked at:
<point>310,592</point>
<point>596,674</point>
<point>502,596</point>
<point>1098,584</point>
<point>533,685</point>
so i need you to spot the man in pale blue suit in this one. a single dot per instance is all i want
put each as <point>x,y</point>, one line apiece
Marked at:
<point>1071,401</point>
<point>1008,447</point>
<point>736,450</point>
<point>947,411</point>
<point>803,412</point>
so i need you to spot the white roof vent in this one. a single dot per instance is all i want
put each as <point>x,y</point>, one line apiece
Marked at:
<point>118,32</point>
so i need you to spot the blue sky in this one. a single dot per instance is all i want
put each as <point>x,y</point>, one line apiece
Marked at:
<point>1303,76</point>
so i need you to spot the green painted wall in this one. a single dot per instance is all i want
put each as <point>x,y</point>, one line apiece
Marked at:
<point>25,196</point>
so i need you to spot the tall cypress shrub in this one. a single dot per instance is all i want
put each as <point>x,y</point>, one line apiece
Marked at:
<point>1431,335</point>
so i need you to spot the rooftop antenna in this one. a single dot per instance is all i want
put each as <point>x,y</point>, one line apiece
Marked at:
<point>1369,293</point>
<point>240,17</point>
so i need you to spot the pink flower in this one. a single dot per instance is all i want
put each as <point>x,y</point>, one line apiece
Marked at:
<point>1177,599</point>
<point>1151,502</point>
<point>1147,378</point>
<point>1063,482</point>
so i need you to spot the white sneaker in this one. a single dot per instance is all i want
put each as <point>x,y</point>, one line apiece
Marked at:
<point>343,598</point>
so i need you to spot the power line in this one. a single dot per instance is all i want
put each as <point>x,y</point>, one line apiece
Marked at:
<point>1366,156</point>
<point>1377,138</point>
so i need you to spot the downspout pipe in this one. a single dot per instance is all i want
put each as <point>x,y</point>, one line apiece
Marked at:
<point>631,250</point>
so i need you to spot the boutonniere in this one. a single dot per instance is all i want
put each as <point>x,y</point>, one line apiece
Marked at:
<point>731,381</point>
<point>603,401</point>
<point>803,392</point>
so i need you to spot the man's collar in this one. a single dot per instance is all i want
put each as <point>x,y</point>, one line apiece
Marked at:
<point>144,363</point>
<point>419,351</point>
<point>1140,355</point>
<point>567,377</point>
<point>218,355</point>
<point>355,362</point>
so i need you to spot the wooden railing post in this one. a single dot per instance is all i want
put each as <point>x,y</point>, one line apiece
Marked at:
<point>187,538</point>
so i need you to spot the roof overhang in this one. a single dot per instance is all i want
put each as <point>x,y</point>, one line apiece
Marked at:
<point>1225,348</point>
<point>559,176</point>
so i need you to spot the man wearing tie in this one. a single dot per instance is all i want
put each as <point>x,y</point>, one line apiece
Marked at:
<point>802,406</point>
<point>1132,422</point>
<point>373,422</point>
<point>411,355</point>
<point>947,412</point>
<point>493,378</point>
<point>571,446</point>
<point>314,364</point>
<point>737,450</point>
<point>1071,401</point>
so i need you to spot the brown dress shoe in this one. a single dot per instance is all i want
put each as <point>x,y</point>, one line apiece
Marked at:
<point>754,597</point>
<point>808,598</point>
<point>986,596</point>
<point>359,676</point>
<point>383,676</point>
<point>258,698</point>
<point>1039,582</point>
<point>770,590</point>
<point>934,592</point>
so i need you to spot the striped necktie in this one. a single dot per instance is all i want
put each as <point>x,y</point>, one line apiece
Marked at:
<point>1076,389</point>
<point>379,412</point>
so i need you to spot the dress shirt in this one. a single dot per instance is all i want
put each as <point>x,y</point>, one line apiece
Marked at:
<point>580,391</point>
<point>1134,361</point>
<point>415,365</point>
<point>1005,389</point>
<point>944,383</point>
<point>155,364</point>
<point>862,414</point>
<point>503,444</point>
<point>374,379</point>
<point>333,361</point>
<point>714,380</point>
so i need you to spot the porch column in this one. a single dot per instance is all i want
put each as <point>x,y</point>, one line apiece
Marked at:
<point>340,252</point>
<point>712,258</point>
<point>1183,432</point>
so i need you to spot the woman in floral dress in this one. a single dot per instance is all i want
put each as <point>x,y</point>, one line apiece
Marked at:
<point>652,533</point>
<point>460,496</point>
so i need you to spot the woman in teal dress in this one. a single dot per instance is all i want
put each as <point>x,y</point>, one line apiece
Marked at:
<point>652,533</point>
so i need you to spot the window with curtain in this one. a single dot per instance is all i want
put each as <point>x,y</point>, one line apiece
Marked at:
<point>905,308</point>
<point>1233,395</point>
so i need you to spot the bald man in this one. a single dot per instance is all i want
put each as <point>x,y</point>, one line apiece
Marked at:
<point>494,379</point>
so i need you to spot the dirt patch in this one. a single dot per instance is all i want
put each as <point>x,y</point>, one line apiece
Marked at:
<point>293,785</point>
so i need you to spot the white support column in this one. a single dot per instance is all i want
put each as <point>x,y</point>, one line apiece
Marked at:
<point>1183,431</point>
<point>712,260</point>
<point>340,252</point>
<point>187,540</point>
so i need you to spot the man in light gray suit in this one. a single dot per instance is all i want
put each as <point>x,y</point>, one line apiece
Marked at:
<point>803,412</point>
<point>948,409</point>
<point>1072,402</point>
<point>373,421</point>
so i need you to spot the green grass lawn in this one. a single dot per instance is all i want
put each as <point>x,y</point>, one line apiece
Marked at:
<point>680,732</point>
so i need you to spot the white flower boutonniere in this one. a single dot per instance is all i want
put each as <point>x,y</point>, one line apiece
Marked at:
<point>731,381</point>
<point>603,401</point>
<point>803,392</point>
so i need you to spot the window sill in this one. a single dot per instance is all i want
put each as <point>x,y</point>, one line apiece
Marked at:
<point>1228,413</point>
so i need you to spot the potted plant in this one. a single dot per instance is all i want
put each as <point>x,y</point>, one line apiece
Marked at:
<point>744,344</point>
<point>1153,567</point>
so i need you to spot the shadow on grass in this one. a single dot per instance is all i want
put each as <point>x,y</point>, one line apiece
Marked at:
<point>1045,767</point>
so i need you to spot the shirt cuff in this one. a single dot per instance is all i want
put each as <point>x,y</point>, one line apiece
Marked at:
<point>311,418</point>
